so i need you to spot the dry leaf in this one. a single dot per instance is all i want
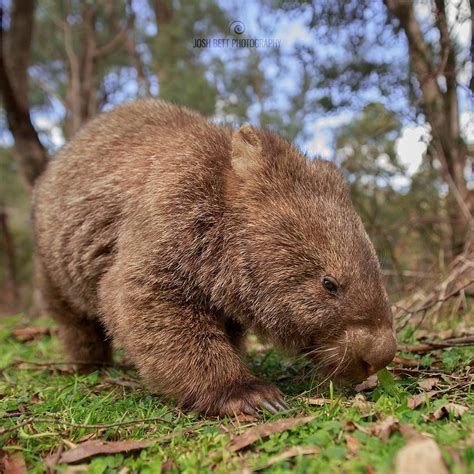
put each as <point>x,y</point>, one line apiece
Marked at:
<point>385,428</point>
<point>290,453</point>
<point>424,334</point>
<point>91,448</point>
<point>406,361</point>
<point>420,398</point>
<point>368,384</point>
<point>353,444</point>
<point>167,466</point>
<point>53,459</point>
<point>351,426</point>
<point>407,430</point>
<point>76,468</point>
<point>444,411</point>
<point>244,418</point>
<point>319,402</point>
<point>30,333</point>
<point>261,431</point>
<point>429,383</point>
<point>72,445</point>
<point>420,456</point>
<point>13,463</point>
<point>362,405</point>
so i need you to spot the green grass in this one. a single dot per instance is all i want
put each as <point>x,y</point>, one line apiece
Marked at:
<point>197,444</point>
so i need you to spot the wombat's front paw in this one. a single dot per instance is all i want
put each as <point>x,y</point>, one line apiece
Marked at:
<point>249,398</point>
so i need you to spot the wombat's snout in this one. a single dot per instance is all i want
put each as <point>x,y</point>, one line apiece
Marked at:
<point>361,352</point>
<point>373,350</point>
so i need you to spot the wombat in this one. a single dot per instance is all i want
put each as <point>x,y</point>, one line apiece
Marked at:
<point>171,237</point>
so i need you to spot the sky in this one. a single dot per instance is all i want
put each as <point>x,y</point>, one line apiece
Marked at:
<point>411,145</point>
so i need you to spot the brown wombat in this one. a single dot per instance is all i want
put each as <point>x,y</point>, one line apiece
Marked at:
<point>172,237</point>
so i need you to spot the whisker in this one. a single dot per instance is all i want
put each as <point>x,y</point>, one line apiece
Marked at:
<point>335,371</point>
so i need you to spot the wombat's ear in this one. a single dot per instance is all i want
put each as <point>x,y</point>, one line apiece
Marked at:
<point>246,149</point>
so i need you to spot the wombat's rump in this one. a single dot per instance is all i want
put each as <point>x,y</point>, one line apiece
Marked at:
<point>171,237</point>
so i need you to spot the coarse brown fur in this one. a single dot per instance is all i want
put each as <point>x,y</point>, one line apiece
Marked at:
<point>172,237</point>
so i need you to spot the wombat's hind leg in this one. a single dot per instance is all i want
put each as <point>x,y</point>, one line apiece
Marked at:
<point>84,338</point>
<point>86,344</point>
<point>236,334</point>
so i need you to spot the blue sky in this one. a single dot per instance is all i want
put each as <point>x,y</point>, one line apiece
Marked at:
<point>293,31</point>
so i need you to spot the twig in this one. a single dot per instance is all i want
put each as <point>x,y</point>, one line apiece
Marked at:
<point>56,421</point>
<point>431,346</point>
<point>429,305</point>
<point>435,302</point>
<point>46,364</point>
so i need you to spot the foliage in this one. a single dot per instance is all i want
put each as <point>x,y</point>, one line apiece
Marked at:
<point>404,218</point>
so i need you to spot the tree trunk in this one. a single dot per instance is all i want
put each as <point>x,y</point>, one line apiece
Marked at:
<point>14,59</point>
<point>441,109</point>
<point>12,299</point>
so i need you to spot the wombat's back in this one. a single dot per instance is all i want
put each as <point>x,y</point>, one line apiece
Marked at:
<point>89,186</point>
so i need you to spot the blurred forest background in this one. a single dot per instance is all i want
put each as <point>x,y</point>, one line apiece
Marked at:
<point>383,87</point>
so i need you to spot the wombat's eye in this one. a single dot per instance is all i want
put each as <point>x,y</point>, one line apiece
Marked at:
<point>330,284</point>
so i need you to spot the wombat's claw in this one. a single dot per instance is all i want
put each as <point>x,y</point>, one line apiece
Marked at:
<point>272,408</point>
<point>251,399</point>
<point>249,410</point>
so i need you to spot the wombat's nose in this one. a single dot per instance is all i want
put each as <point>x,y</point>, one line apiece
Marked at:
<point>380,354</point>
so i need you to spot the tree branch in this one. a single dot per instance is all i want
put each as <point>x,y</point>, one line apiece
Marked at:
<point>31,154</point>
<point>108,48</point>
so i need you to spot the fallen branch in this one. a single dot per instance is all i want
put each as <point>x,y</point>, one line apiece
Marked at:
<point>431,346</point>
<point>48,364</point>
<point>56,421</point>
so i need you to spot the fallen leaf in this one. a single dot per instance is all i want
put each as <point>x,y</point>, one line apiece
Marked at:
<point>406,361</point>
<point>76,468</point>
<point>444,411</point>
<point>362,405</point>
<point>352,426</point>
<point>407,430</point>
<point>72,445</point>
<point>30,333</point>
<point>244,418</point>
<point>385,428</point>
<point>92,448</point>
<point>420,456</point>
<point>353,444</point>
<point>420,398</point>
<point>262,431</point>
<point>424,334</point>
<point>319,402</point>
<point>13,463</point>
<point>290,453</point>
<point>429,383</point>
<point>167,466</point>
<point>53,459</point>
<point>368,384</point>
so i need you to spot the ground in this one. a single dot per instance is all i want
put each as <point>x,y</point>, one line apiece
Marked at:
<point>349,431</point>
